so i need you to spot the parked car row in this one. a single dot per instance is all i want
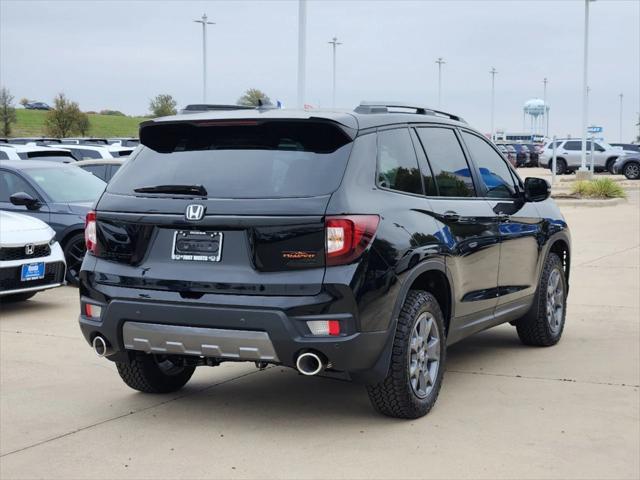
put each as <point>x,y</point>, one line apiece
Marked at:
<point>525,154</point>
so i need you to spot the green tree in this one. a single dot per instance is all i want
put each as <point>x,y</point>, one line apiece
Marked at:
<point>7,111</point>
<point>163,105</point>
<point>64,119</point>
<point>254,98</point>
<point>83,124</point>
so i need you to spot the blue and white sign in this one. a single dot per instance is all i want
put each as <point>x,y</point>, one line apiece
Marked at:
<point>32,271</point>
<point>594,129</point>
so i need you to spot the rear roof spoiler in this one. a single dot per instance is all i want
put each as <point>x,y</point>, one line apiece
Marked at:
<point>370,107</point>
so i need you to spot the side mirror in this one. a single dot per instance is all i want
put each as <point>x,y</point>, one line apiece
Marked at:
<point>22,198</point>
<point>536,189</point>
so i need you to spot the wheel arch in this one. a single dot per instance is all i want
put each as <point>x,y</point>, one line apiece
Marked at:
<point>424,276</point>
<point>430,276</point>
<point>69,232</point>
<point>560,247</point>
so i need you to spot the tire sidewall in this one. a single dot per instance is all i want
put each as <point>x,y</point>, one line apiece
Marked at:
<point>556,264</point>
<point>625,170</point>
<point>428,305</point>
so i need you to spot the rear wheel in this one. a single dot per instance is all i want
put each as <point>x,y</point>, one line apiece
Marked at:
<point>154,373</point>
<point>632,170</point>
<point>74,250</point>
<point>561,166</point>
<point>543,324</point>
<point>415,374</point>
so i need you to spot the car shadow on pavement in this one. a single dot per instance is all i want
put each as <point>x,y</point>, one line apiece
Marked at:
<point>7,308</point>
<point>283,395</point>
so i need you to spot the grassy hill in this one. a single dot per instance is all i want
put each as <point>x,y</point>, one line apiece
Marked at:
<point>31,124</point>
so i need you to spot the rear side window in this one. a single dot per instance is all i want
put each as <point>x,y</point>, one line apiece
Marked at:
<point>447,161</point>
<point>99,171</point>
<point>573,145</point>
<point>240,159</point>
<point>86,154</point>
<point>3,156</point>
<point>494,172</point>
<point>397,162</point>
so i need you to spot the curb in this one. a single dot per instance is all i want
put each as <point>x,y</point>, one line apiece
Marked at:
<point>589,202</point>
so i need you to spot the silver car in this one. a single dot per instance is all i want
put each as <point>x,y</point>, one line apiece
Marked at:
<point>569,155</point>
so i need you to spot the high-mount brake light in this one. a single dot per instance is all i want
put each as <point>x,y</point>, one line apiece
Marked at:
<point>90,238</point>
<point>348,236</point>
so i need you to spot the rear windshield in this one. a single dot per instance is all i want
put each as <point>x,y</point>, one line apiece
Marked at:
<point>245,159</point>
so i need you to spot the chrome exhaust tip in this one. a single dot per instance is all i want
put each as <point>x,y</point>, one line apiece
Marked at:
<point>99,346</point>
<point>309,363</point>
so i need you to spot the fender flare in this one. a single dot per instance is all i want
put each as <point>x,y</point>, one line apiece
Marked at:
<point>381,367</point>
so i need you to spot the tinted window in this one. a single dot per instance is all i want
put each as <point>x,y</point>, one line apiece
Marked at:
<point>3,156</point>
<point>11,183</point>
<point>447,162</point>
<point>67,183</point>
<point>99,171</point>
<point>245,159</point>
<point>427,175</point>
<point>573,145</point>
<point>494,172</point>
<point>397,162</point>
<point>85,154</point>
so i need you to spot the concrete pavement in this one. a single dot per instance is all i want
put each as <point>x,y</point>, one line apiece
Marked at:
<point>505,410</point>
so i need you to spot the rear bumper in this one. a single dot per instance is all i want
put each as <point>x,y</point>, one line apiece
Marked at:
<point>210,328</point>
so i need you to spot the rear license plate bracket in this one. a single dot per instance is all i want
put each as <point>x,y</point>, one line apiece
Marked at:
<point>197,246</point>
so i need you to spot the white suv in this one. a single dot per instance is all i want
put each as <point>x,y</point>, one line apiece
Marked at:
<point>569,155</point>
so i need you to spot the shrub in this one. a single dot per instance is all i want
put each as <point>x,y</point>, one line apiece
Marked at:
<point>599,188</point>
<point>112,112</point>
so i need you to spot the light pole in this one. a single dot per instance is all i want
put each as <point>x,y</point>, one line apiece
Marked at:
<point>546,108</point>
<point>493,72</point>
<point>204,23</point>
<point>621,97</point>
<point>302,50</point>
<point>440,61</point>
<point>585,93</point>
<point>334,43</point>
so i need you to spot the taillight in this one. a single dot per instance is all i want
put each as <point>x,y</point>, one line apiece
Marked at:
<point>90,232</point>
<point>348,236</point>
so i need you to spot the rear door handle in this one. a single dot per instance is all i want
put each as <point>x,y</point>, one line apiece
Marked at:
<point>451,216</point>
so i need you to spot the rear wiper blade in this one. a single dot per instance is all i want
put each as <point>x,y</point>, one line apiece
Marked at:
<point>175,189</point>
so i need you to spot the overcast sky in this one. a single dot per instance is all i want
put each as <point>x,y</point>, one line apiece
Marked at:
<point>119,54</point>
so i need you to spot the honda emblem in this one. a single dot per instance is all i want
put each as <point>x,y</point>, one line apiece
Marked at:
<point>194,212</point>
<point>29,249</point>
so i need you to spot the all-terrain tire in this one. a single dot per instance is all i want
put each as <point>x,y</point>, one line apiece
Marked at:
<point>147,374</point>
<point>395,396</point>
<point>538,327</point>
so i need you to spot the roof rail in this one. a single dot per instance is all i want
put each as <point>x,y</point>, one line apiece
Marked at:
<point>383,107</point>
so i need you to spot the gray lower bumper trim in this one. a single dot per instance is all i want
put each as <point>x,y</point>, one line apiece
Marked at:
<point>206,342</point>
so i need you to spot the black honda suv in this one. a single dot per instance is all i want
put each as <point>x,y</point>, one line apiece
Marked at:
<point>361,243</point>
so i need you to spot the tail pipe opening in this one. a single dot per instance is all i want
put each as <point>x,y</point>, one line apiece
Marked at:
<point>100,346</point>
<point>310,363</point>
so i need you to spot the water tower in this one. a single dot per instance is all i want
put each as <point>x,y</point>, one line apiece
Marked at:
<point>536,111</point>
